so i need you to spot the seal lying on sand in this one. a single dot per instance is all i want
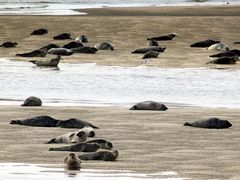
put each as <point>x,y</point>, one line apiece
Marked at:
<point>212,123</point>
<point>152,42</point>
<point>85,49</point>
<point>8,44</point>
<point>101,155</point>
<point>79,147</point>
<point>50,63</point>
<point>73,137</point>
<point>164,38</point>
<point>104,46</point>
<point>47,121</point>
<point>60,51</point>
<point>102,143</point>
<point>40,31</point>
<point>82,38</point>
<point>73,44</point>
<point>219,47</point>
<point>238,42</point>
<point>50,46</point>
<point>149,105</point>
<point>224,60</point>
<point>224,54</point>
<point>205,43</point>
<point>72,162</point>
<point>62,36</point>
<point>32,101</point>
<point>35,53</point>
<point>150,54</point>
<point>147,49</point>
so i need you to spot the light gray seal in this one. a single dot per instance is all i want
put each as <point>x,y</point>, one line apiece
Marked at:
<point>101,155</point>
<point>32,101</point>
<point>60,51</point>
<point>104,46</point>
<point>72,162</point>
<point>147,49</point>
<point>53,62</point>
<point>150,54</point>
<point>212,123</point>
<point>149,105</point>
<point>79,147</point>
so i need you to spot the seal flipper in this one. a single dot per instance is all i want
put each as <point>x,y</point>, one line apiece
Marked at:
<point>187,124</point>
<point>16,122</point>
<point>51,141</point>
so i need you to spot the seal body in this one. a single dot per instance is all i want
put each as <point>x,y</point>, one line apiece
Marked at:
<point>79,147</point>
<point>60,51</point>
<point>82,38</point>
<point>104,46</point>
<point>204,43</point>
<point>72,162</point>
<point>219,47</point>
<point>224,54</point>
<point>32,101</point>
<point>50,46</point>
<point>75,123</point>
<point>147,49</point>
<point>152,42</point>
<point>164,38</point>
<point>35,53</point>
<point>150,54</point>
<point>149,105</point>
<point>40,31</point>
<point>62,36</point>
<point>85,49</point>
<point>49,63</point>
<point>224,60</point>
<point>237,42</point>
<point>212,123</point>
<point>73,44</point>
<point>101,155</point>
<point>102,143</point>
<point>9,44</point>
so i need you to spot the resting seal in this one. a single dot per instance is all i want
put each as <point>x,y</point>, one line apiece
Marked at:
<point>147,49</point>
<point>85,49</point>
<point>82,38</point>
<point>149,105</point>
<point>164,38</point>
<point>50,46</point>
<point>224,60</point>
<point>32,101</point>
<point>73,44</point>
<point>219,47</point>
<point>238,42</point>
<point>101,155</point>
<point>75,123</point>
<point>150,54</point>
<point>49,63</point>
<point>212,123</point>
<point>152,42</point>
<point>79,147</point>
<point>9,44</point>
<point>72,162</point>
<point>62,36</point>
<point>205,43</point>
<point>104,46</point>
<point>60,51</point>
<point>102,143</point>
<point>35,53</point>
<point>41,31</point>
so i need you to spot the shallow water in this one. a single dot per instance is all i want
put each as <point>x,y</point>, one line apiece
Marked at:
<point>90,84</point>
<point>20,171</point>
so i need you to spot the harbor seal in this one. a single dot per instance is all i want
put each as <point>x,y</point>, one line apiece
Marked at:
<point>89,131</point>
<point>9,44</point>
<point>73,44</point>
<point>164,38</point>
<point>62,36</point>
<point>152,42</point>
<point>224,54</point>
<point>72,162</point>
<point>48,63</point>
<point>212,123</point>
<point>149,105</point>
<point>40,31</point>
<point>204,43</point>
<point>147,49</point>
<point>219,47</point>
<point>237,42</point>
<point>75,123</point>
<point>35,53</point>
<point>32,101</point>
<point>60,51</point>
<point>102,143</point>
<point>85,49</point>
<point>224,60</point>
<point>82,38</point>
<point>101,155</point>
<point>73,137</point>
<point>150,54</point>
<point>79,147</point>
<point>50,46</point>
<point>104,46</point>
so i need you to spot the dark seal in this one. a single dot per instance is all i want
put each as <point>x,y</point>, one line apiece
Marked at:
<point>164,38</point>
<point>149,105</point>
<point>62,36</point>
<point>35,53</point>
<point>147,49</point>
<point>101,155</point>
<point>204,43</point>
<point>60,51</point>
<point>79,147</point>
<point>150,54</point>
<point>102,143</point>
<point>9,44</point>
<point>224,60</point>
<point>104,46</point>
<point>152,42</point>
<point>73,44</point>
<point>40,31</point>
<point>32,101</point>
<point>85,49</point>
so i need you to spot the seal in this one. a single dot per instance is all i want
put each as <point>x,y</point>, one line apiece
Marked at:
<point>35,53</point>
<point>212,123</point>
<point>85,49</point>
<point>104,46</point>
<point>73,44</point>
<point>79,147</point>
<point>150,54</point>
<point>101,155</point>
<point>204,43</point>
<point>60,51</point>
<point>152,42</point>
<point>48,63</point>
<point>102,143</point>
<point>224,60</point>
<point>147,49</point>
<point>62,36</point>
<point>75,123</point>
<point>224,54</point>
<point>40,31</point>
<point>164,38</point>
<point>149,105</point>
<point>89,131</point>
<point>237,42</point>
<point>219,47</point>
<point>82,38</point>
<point>9,44</point>
<point>73,137</point>
<point>32,101</point>
<point>50,46</point>
<point>72,162</point>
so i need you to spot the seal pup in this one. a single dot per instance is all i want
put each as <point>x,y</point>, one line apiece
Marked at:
<point>150,54</point>
<point>35,53</point>
<point>152,42</point>
<point>32,101</point>
<point>101,155</point>
<point>82,38</point>
<point>104,46</point>
<point>49,63</point>
<point>62,36</point>
<point>75,123</point>
<point>219,47</point>
<point>212,123</point>
<point>40,31</point>
<point>147,49</point>
<point>60,51</point>
<point>102,143</point>
<point>73,44</point>
<point>72,162</point>
<point>79,147</point>
<point>9,44</point>
<point>149,105</point>
<point>85,49</point>
<point>73,137</point>
<point>224,60</point>
<point>204,43</point>
<point>164,38</point>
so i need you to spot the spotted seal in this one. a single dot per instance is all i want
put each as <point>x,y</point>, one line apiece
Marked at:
<point>72,162</point>
<point>79,147</point>
<point>212,123</point>
<point>204,43</point>
<point>149,105</point>
<point>150,54</point>
<point>147,49</point>
<point>101,155</point>
<point>9,44</point>
<point>164,38</point>
<point>104,46</point>
<point>53,62</point>
<point>32,101</point>
<point>40,31</point>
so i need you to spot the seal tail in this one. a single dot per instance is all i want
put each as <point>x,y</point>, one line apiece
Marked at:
<point>15,122</point>
<point>95,127</point>
<point>187,124</point>
<point>50,141</point>
<point>149,39</point>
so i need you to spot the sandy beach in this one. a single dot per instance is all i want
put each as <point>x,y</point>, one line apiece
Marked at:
<point>147,141</point>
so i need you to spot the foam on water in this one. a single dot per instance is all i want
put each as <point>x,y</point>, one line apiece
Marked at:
<point>91,84</point>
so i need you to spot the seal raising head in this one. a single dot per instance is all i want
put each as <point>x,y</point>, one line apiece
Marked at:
<point>72,162</point>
